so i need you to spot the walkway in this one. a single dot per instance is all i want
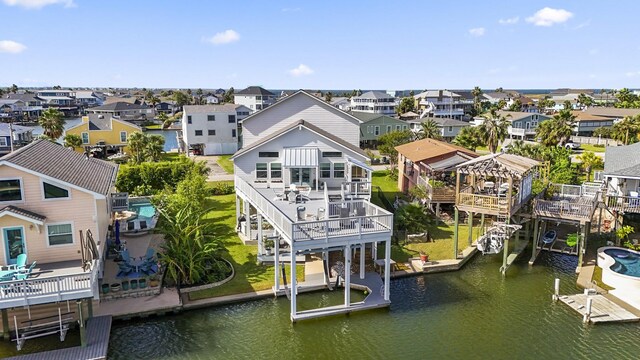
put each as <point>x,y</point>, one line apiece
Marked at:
<point>167,301</point>
<point>98,331</point>
<point>217,173</point>
<point>602,310</point>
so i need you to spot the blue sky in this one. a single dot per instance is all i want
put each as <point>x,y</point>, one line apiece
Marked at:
<point>320,44</point>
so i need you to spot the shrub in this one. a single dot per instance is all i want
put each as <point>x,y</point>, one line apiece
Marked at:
<point>222,188</point>
<point>412,219</point>
<point>152,178</point>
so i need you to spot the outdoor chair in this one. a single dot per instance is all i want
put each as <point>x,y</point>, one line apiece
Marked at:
<point>7,275</point>
<point>292,197</point>
<point>21,263</point>
<point>25,273</point>
<point>279,193</point>
<point>344,218</point>
<point>304,194</point>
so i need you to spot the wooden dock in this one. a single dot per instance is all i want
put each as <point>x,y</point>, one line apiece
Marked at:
<point>98,331</point>
<point>603,309</point>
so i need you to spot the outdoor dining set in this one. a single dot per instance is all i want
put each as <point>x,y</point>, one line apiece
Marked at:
<point>135,267</point>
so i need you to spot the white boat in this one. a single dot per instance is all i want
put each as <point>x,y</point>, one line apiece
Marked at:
<point>549,237</point>
<point>493,241</point>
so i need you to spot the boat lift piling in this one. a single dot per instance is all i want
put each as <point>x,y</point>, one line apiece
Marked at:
<point>556,290</point>
<point>587,315</point>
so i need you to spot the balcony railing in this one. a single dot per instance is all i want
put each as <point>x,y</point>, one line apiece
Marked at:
<point>564,209</point>
<point>358,189</point>
<point>35,291</point>
<point>629,204</point>
<point>437,194</point>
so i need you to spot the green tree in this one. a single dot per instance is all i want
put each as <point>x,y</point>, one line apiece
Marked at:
<point>181,99</point>
<point>557,130</point>
<point>165,119</point>
<point>590,161</point>
<point>228,95</point>
<point>137,143</point>
<point>412,219</point>
<point>604,132</point>
<point>13,89</point>
<point>477,104</point>
<point>500,90</point>
<point>585,100</point>
<point>154,147</point>
<point>387,144</point>
<point>626,130</point>
<point>469,137</point>
<point>429,130</point>
<point>516,105</point>
<point>52,123</point>
<point>199,94</point>
<point>72,141</point>
<point>328,96</point>
<point>406,104</point>
<point>494,129</point>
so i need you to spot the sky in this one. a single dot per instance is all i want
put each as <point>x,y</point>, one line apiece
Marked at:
<point>386,45</point>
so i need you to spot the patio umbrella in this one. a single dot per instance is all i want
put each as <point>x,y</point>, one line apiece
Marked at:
<point>117,225</point>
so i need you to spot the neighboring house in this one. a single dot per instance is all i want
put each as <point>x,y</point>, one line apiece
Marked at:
<point>611,112</point>
<point>124,111</point>
<point>442,103</point>
<point>51,198</point>
<point>87,98</point>
<point>374,102</point>
<point>103,135</point>
<point>212,99</point>
<point>32,104</point>
<point>11,108</point>
<point>125,98</point>
<point>523,124</point>
<point>494,97</point>
<point>212,129</point>
<point>22,135</point>
<point>255,98</point>
<point>587,123</point>
<point>449,128</point>
<point>167,107</point>
<point>622,177</point>
<point>342,103</point>
<point>527,103</point>
<point>561,99</point>
<point>375,125</point>
<point>301,171</point>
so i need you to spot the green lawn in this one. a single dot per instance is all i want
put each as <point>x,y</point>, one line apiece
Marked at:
<point>154,127</point>
<point>249,276</point>
<point>225,163</point>
<point>389,187</point>
<point>591,147</point>
<point>170,156</point>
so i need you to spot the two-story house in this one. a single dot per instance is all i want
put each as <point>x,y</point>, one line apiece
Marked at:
<point>32,104</point>
<point>622,178</point>
<point>587,123</point>
<point>375,125</point>
<point>212,129</point>
<point>442,103</point>
<point>55,209</point>
<point>87,98</point>
<point>255,98</point>
<point>523,124</point>
<point>301,171</point>
<point>103,132</point>
<point>19,135</point>
<point>374,102</point>
<point>11,108</point>
<point>125,111</point>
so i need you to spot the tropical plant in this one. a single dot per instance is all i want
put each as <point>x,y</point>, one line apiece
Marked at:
<point>626,130</point>
<point>52,123</point>
<point>469,137</point>
<point>406,104</point>
<point>604,132</point>
<point>557,130</point>
<point>412,218</point>
<point>72,141</point>
<point>494,129</point>
<point>154,147</point>
<point>516,105</point>
<point>623,232</point>
<point>387,144</point>
<point>429,130</point>
<point>590,161</point>
<point>137,143</point>
<point>585,100</point>
<point>477,105</point>
<point>164,118</point>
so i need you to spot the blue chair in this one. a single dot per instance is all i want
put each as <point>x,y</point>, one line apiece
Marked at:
<point>21,263</point>
<point>7,275</point>
<point>24,274</point>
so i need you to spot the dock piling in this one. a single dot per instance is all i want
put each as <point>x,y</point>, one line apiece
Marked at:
<point>587,314</point>
<point>556,290</point>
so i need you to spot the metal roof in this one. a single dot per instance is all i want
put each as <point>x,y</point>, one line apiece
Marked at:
<point>448,163</point>
<point>301,157</point>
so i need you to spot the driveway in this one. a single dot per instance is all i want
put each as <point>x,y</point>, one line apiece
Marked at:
<point>217,173</point>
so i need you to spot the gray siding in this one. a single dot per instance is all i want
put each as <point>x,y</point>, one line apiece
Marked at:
<point>368,129</point>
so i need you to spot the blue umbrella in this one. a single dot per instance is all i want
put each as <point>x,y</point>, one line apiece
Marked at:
<point>117,232</point>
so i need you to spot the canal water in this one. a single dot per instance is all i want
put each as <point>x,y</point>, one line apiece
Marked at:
<point>170,139</point>
<point>470,314</point>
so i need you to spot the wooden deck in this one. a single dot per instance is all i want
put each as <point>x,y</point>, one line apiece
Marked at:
<point>98,331</point>
<point>603,310</point>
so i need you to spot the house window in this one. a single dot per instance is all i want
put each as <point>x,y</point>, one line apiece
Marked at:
<point>188,119</point>
<point>397,127</point>
<point>85,138</point>
<point>331,154</point>
<point>450,129</point>
<point>10,190</point>
<point>211,118</point>
<point>123,136</point>
<point>338,170</point>
<point>268,154</point>
<point>211,132</point>
<point>3,141</point>
<point>60,234</point>
<point>261,171</point>
<point>198,132</point>
<point>376,130</point>
<point>404,127</point>
<point>54,192</point>
<point>276,171</point>
<point>325,170</point>
<point>233,132</point>
<point>232,119</point>
<point>388,128</point>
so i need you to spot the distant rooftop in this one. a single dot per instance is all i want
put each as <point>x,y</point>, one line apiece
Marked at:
<point>255,90</point>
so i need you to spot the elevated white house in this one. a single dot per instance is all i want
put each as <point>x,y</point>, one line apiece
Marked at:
<point>212,129</point>
<point>302,173</point>
<point>255,98</point>
<point>374,102</point>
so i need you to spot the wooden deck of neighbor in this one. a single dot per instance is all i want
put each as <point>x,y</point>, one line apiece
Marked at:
<point>98,331</point>
<point>603,310</point>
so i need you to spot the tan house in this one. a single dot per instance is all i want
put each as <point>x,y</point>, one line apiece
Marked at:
<point>49,194</point>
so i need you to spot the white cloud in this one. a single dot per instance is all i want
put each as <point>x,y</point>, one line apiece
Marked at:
<point>509,21</point>
<point>38,4</point>
<point>633,73</point>
<point>548,17</point>
<point>301,70</point>
<point>225,37</point>
<point>11,47</point>
<point>477,32</point>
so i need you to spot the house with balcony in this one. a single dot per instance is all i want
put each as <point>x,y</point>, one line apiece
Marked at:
<point>16,134</point>
<point>442,103</point>
<point>55,210</point>
<point>431,165</point>
<point>11,109</point>
<point>255,98</point>
<point>523,124</point>
<point>63,100</point>
<point>32,105</point>
<point>103,135</point>
<point>136,113</point>
<point>212,129</point>
<point>622,179</point>
<point>587,123</point>
<point>375,125</point>
<point>87,98</point>
<point>374,102</point>
<point>313,188</point>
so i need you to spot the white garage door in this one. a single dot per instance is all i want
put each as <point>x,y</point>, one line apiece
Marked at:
<point>220,148</point>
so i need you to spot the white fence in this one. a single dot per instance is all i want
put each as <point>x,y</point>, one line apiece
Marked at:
<point>595,141</point>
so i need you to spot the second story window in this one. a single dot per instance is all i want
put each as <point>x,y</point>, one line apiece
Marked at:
<point>198,132</point>
<point>211,118</point>
<point>85,138</point>
<point>268,154</point>
<point>123,136</point>
<point>232,119</point>
<point>188,119</point>
<point>331,154</point>
<point>10,190</point>
<point>233,132</point>
<point>276,170</point>
<point>338,170</point>
<point>261,171</point>
<point>54,192</point>
<point>325,170</point>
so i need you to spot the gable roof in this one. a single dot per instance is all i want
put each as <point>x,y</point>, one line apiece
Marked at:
<point>22,213</point>
<point>293,126</point>
<point>584,116</point>
<point>255,90</point>
<point>366,117</point>
<point>65,165</point>
<point>288,98</point>
<point>448,121</point>
<point>426,149</point>
<point>99,122</point>
<point>517,115</point>
<point>203,109</point>
<point>435,93</point>
<point>119,106</point>
<point>375,95</point>
<point>619,160</point>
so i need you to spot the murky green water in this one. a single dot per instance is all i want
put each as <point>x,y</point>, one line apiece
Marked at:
<point>469,314</point>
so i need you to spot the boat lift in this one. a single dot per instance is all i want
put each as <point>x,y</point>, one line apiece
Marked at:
<point>45,326</point>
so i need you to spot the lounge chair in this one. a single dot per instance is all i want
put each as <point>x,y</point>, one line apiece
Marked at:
<point>279,193</point>
<point>25,273</point>
<point>304,194</point>
<point>7,275</point>
<point>21,263</point>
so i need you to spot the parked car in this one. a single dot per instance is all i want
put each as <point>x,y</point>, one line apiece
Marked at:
<point>572,146</point>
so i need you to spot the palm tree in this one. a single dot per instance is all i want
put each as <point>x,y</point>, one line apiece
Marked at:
<point>628,126</point>
<point>469,137</point>
<point>589,162</point>
<point>429,130</point>
<point>137,143</point>
<point>494,129</point>
<point>52,123</point>
<point>557,130</point>
<point>72,141</point>
<point>477,92</point>
<point>154,147</point>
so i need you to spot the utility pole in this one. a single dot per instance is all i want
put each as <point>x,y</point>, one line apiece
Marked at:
<point>11,134</point>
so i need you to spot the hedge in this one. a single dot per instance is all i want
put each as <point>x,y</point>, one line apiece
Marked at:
<point>150,178</point>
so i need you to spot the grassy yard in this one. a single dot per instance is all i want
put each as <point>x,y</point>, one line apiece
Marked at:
<point>154,127</point>
<point>249,276</point>
<point>225,163</point>
<point>389,187</point>
<point>593,148</point>
<point>170,156</point>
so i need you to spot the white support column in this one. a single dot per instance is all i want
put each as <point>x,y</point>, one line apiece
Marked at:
<point>317,176</point>
<point>362,246</point>
<point>276,263</point>
<point>260,242</point>
<point>293,283</point>
<point>247,216</point>
<point>237,208</point>
<point>347,275</point>
<point>374,250</point>
<point>387,268</point>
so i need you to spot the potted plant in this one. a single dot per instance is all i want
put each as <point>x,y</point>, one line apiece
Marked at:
<point>424,257</point>
<point>105,288</point>
<point>142,283</point>
<point>125,285</point>
<point>268,245</point>
<point>133,284</point>
<point>153,281</point>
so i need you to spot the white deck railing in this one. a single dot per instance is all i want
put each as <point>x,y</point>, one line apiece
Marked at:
<point>358,189</point>
<point>43,290</point>
<point>275,216</point>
